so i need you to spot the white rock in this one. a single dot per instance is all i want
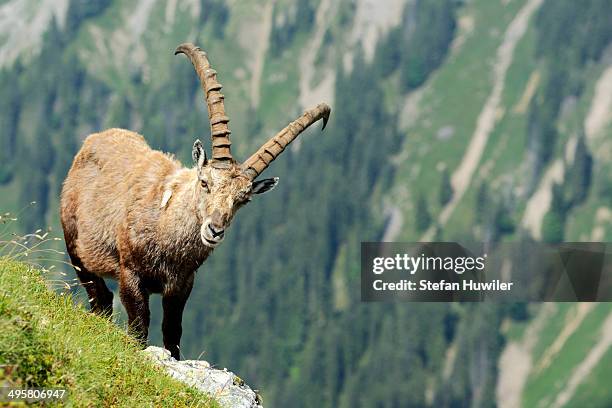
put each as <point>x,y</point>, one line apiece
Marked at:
<point>224,386</point>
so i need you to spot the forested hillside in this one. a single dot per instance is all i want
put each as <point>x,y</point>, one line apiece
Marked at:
<point>451,120</point>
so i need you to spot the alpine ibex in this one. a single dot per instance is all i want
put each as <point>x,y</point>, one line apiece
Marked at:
<point>137,215</point>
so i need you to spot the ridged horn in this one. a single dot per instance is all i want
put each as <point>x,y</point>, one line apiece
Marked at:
<point>219,128</point>
<point>262,158</point>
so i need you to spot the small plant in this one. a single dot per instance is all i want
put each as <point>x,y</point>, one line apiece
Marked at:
<point>34,249</point>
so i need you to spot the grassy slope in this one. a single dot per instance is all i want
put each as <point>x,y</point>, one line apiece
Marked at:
<point>545,384</point>
<point>453,97</point>
<point>595,390</point>
<point>546,380</point>
<point>583,218</point>
<point>502,157</point>
<point>46,341</point>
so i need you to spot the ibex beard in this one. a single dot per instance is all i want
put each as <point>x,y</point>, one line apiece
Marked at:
<point>138,216</point>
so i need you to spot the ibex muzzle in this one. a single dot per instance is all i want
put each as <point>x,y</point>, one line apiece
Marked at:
<point>138,216</point>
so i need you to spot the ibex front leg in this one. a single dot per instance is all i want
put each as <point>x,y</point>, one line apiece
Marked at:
<point>172,329</point>
<point>135,299</point>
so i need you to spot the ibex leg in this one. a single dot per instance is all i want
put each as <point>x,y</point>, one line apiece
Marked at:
<point>172,329</point>
<point>135,299</point>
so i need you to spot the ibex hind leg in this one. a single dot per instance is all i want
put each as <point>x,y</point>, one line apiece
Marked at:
<point>100,297</point>
<point>135,299</point>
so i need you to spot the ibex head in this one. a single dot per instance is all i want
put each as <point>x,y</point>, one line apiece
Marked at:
<point>224,184</point>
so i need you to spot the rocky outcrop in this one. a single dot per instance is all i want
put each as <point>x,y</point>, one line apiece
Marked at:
<point>225,387</point>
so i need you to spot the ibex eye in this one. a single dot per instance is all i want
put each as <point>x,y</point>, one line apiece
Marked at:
<point>204,184</point>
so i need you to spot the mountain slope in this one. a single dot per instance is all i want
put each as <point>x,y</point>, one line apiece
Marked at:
<point>477,120</point>
<point>559,358</point>
<point>46,342</point>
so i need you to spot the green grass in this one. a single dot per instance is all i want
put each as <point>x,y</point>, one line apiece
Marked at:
<point>543,386</point>
<point>505,148</point>
<point>47,341</point>
<point>595,390</point>
<point>453,96</point>
<point>583,219</point>
<point>552,327</point>
<point>516,330</point>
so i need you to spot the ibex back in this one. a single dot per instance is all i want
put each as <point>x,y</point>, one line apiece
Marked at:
<point>137,215</point>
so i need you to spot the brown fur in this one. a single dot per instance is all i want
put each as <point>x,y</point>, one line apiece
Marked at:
<point>138,216</point>
<point>115,226</point>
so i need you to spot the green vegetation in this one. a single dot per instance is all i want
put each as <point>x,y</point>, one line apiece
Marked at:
<point>595,391</point>
<point>446,188</point>
<point>47,341</point>
<point>288,23</point>
<point>279,300</point>
<point>453,98</point>
<point>423,217</point>
<point>550,374</point>
<point>564,58</point>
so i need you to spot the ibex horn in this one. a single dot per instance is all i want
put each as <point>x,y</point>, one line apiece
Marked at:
<point>262,158</point>
<point>219,128</point>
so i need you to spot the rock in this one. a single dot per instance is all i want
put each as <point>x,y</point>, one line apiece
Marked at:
<point>445,133</point>
<point>225,387</point>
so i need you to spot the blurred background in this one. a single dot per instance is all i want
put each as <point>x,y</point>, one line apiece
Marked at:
<point>482,120</point>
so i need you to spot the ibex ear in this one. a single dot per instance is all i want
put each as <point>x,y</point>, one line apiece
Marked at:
<point>265,185</point>
<point>199,154</point>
